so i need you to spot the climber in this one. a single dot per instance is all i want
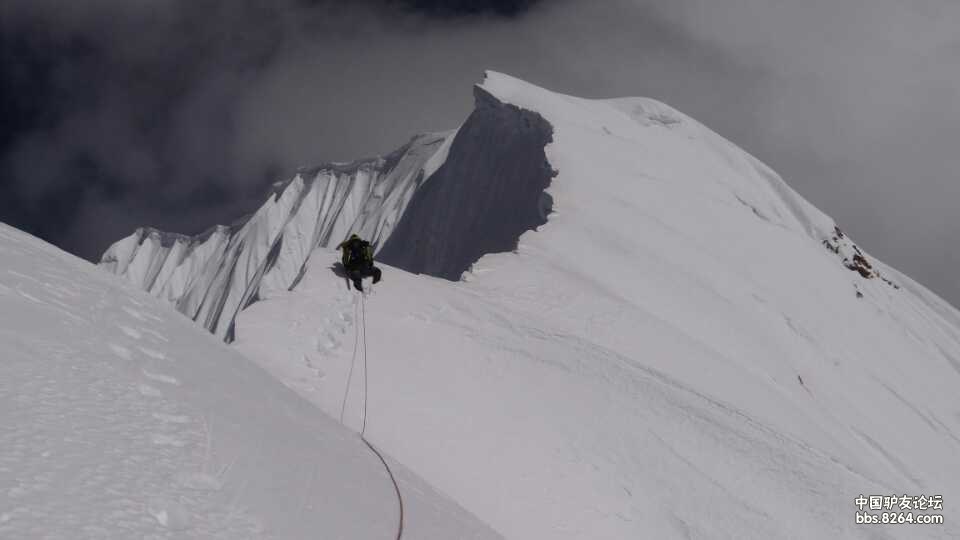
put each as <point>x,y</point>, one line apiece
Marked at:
<point>357,259</point>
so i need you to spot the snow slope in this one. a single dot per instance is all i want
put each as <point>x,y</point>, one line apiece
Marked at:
<point>210,277</point>
<point>687,349</point>
<point>119,418</point>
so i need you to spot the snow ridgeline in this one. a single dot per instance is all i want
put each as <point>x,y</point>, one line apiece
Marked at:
<point>212,276</point>
<point>435,206</point>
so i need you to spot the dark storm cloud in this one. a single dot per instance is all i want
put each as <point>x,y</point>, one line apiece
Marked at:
<point>118,107</point>
<point>118,113</point>
<point>448,8</point>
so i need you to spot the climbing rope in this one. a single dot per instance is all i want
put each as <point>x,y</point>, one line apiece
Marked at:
<point>361,328</point>
<point>396,487</point>
<point>353,362</point>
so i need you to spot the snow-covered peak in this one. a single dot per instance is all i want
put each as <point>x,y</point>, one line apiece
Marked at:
<point>648,128</point>
<point>484,185</point>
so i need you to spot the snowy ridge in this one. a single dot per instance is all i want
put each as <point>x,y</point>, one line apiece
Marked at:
<point>121,419</point>
<point>685,349</point>
<point>211,277</point>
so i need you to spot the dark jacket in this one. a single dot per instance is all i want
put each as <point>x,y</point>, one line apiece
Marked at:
<point>356,253</point>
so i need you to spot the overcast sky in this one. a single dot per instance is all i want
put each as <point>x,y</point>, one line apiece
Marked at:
<point>173,113</point>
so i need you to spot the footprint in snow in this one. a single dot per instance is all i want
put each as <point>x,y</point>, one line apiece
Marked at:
<point>317,371</point>
<point>327,343</point>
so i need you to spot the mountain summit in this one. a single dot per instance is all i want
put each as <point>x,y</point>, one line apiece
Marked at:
<point>641,331</point>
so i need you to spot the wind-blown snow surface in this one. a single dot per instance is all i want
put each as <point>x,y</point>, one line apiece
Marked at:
<point>680,352</point>
<point>119,418</point>
<point>210,277</point>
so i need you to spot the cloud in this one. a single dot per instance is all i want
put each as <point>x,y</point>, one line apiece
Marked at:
<point>459,8</point>
<point>176,113</point>
<point>134,107</point>
<point>856,111</point>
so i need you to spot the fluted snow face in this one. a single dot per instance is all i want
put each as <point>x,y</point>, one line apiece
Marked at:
<point>210,277</point>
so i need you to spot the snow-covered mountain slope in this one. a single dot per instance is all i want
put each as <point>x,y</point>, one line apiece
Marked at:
<point>210,277</point>
<point>119,418</point>
<point>686,349</point>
